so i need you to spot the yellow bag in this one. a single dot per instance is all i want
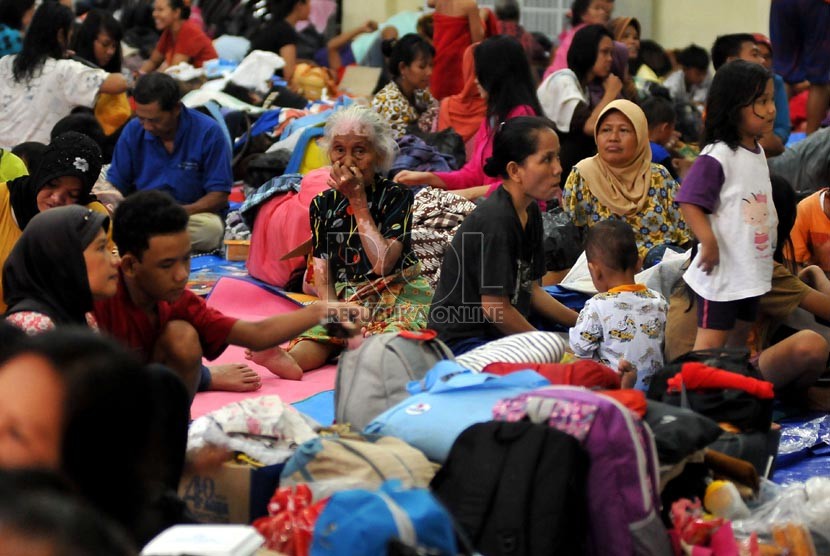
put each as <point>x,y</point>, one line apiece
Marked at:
<point>310,80</point>
<point>112,111</point>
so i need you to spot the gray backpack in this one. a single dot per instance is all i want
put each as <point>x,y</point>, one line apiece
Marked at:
<point>373,378</point>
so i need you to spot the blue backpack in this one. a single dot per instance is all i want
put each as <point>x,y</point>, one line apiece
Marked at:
<point>365,522</point>
<point>449,399</point>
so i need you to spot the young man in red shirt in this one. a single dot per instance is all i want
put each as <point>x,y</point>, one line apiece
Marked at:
<point>156,315</point>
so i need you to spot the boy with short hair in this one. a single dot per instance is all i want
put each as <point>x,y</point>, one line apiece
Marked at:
<point>743,46</point>
<point>691,82</point>
<point>661,119</point>
<point>155,314</point>
<point>623,326</point>
<point>811,232</point>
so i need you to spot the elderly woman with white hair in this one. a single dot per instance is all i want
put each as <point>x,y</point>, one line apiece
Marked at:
<point>361,243</point>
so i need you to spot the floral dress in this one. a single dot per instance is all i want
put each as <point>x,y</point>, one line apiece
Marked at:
<point>396,109</point>
<point>400,300</point>
<point>659,222</point>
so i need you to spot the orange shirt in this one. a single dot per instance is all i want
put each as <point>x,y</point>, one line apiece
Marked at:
<point>191,41</point>
<point>811,233</point>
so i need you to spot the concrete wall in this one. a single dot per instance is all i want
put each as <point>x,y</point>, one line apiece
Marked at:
<point>680,22</point>
<point>643,10</point>
<point>356,12</point>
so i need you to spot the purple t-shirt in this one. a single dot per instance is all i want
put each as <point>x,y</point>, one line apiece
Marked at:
<point>702,184</point>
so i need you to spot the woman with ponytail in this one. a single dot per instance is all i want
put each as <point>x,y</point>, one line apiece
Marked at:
<point>490,276</point>
<point>40,85</point>
<point>505,82</point>
<point>406,99</point>
<point>181,40</point>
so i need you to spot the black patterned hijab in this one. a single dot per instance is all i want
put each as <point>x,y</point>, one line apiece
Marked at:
<point>69,154</point>
<point>46,271</point>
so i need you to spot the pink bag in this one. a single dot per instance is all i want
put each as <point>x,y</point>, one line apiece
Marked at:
<point>281,225</point>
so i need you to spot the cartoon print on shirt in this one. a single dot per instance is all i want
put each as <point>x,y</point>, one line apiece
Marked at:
<point>624,331</point>
<point>756,214</point>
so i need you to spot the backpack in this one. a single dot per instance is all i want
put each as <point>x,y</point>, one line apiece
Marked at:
<point>355,458</point>
<point>726,405</point>
<point>373,378</point>
<point>449,399</point>
<point>259,168</point>
<point>623,474</point>
<point>517,489</point>
<point>368,522</point>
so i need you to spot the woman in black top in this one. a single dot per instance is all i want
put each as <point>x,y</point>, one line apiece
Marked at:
<point>490,276</point>
<point>279,35</point>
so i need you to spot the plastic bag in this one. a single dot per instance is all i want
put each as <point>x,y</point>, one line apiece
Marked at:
<point>562,239</point>
<point>807,503</point>
<point>290,521</point>
<point>800,437</point>
<point>690,524</point>
<point>265,428</point>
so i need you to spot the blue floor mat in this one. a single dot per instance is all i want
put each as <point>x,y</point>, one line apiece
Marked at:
<point>812,458</point>
<point>319,407</point>
<point>205,271</point>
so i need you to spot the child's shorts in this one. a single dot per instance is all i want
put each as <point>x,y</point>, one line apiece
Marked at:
<point>721,315</point>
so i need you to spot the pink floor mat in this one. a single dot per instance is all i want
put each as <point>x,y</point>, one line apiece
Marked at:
<point>248,301</point>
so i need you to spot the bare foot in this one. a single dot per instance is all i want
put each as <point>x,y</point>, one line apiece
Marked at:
<point>234,377</point>
<point>276,360</point>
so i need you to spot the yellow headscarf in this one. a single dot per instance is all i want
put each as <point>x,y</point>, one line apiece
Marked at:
<point>621,189</point>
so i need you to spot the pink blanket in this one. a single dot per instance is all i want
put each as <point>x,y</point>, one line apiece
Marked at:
<point>248,301</point>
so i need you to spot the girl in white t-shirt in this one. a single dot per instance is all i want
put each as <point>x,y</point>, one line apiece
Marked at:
<point>726,199</point>
<point>40,84</point>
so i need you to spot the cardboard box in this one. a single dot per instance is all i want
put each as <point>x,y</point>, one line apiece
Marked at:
<point>237,249</point>
<point>234,493</point>
<point>359,81</point>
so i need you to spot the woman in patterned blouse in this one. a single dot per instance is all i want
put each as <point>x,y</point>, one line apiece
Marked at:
<point>361,244</point>
<point>621,182</point>
<point>406,99</point>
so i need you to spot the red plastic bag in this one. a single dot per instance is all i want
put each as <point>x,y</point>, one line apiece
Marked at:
<point>290,521</point>
<point>696,535</point>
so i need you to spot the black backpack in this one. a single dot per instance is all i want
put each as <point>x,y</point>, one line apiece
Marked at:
<point>517,489</point>
<point>729,405</point>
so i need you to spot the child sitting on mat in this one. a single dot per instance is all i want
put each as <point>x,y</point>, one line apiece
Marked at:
<point>622,326</point>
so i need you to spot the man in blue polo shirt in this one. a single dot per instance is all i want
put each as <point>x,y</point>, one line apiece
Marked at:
<point>178,150</point>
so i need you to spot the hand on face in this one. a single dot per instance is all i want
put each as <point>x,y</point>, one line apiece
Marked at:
<point>348,180</point>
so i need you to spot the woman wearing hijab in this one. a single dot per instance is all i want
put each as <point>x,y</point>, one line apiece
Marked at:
<point>465,111</point>
<point>58,267</point>
<point>621,182</point>
<point>65,175</point>
<point>626,30</point>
